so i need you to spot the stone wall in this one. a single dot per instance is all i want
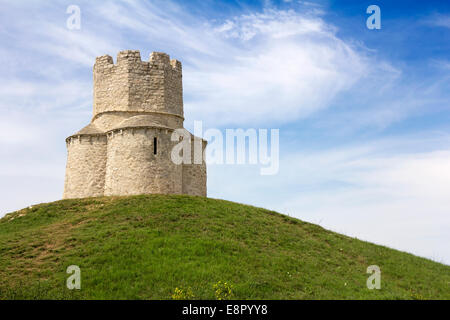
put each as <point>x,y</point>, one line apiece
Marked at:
<point>135,85</point>
<point>194,175</point>
<point>86,164</point>
<point>133,168</point>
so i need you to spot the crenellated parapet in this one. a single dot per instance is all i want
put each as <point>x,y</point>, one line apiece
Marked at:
<point>133,85</point>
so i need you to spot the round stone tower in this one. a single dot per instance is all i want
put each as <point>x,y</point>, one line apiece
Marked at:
<point>126,149</point>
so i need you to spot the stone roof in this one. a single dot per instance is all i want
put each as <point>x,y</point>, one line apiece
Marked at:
<point>140,121</point>
<point>89,130</point>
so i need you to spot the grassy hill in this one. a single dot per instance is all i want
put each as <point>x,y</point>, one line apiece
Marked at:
<point>143,247</point>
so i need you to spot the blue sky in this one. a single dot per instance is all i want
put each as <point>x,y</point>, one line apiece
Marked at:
<point>363,114</point>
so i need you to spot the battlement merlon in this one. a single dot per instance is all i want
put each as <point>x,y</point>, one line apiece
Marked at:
<point>135,85</point>
<point>134,57</point>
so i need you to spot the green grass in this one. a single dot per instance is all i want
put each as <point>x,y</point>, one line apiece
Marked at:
<point>143,247</point>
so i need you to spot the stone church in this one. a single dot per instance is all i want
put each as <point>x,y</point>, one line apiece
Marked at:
<point>126,148</point>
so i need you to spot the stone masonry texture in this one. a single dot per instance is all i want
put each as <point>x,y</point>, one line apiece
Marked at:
<point>136,104</point>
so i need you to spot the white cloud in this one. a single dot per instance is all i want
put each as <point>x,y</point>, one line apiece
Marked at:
<point>275,66</point>
<point>46,96</point>
<point>13,133</point>
<point>439,20</point>
<point>79,47</point>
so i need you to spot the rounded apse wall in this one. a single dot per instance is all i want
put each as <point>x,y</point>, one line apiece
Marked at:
<point>85,169</point>
<point>133,167</point>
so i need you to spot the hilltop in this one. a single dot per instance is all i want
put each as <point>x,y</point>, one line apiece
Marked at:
<point>144,247</point>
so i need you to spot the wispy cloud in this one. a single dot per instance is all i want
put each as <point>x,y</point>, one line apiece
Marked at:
<point>280,60</point>
<point>439,20</point>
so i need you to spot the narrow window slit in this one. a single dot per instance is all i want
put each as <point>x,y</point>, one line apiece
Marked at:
<point>155,146</point>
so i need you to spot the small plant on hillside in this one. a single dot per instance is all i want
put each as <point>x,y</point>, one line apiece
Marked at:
<point>182,294</point>
<point>416,295</point>
<point>223,290</point>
